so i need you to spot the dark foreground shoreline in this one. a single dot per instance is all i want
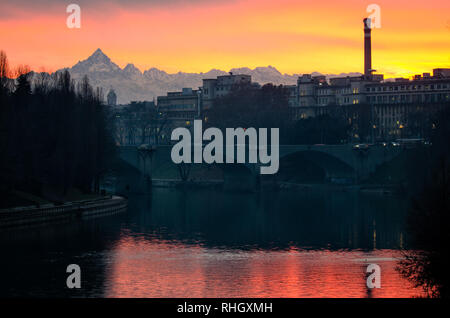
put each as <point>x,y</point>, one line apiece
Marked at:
<point>25,216</point>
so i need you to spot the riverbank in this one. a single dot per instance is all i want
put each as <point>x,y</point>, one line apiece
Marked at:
<point>173,183</point>
<point>372,188</point>
<point>382,189</point>
<point>24,216</point>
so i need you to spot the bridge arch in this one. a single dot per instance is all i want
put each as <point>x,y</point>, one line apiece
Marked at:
<point>334,163</point>
<point>312,166</point>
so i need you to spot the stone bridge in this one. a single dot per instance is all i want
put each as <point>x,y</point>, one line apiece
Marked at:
<point>340,163</point>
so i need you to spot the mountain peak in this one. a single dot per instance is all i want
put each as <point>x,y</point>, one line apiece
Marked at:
<point>98,52</point>
<point>99,56</point>
<point>130,66</point>
<point>154,72</point>
<point>97,62</point>
<point>131,69</point>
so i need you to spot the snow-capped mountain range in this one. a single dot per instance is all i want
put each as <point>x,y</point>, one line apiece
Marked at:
<point>130,84</point>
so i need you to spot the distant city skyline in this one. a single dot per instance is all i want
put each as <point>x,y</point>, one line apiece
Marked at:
<point>295,37</point>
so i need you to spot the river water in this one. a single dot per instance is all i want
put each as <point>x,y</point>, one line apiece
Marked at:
<point>209,243</point>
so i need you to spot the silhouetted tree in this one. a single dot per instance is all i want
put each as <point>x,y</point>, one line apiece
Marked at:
<point>54,135</point>
<point>247,106</point>
<point>361,121</point>
<point>322,129</point>
<point>4,73</point>
<point>429,219</point>
<point>421,119</point>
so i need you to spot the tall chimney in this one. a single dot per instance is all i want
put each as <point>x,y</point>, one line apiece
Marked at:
<point>367,47</point>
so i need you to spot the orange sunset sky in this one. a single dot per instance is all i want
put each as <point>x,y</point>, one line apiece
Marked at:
<point>295,36</point>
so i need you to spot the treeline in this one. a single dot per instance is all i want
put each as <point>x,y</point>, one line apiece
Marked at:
<point>54,134</point>
<point>247,106</point>
<point>268,107</point>
<point>427,263</point>
<point>336,125</point>
<point>139,123</point>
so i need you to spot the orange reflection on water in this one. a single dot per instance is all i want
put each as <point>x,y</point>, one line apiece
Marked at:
<point>154,268</point>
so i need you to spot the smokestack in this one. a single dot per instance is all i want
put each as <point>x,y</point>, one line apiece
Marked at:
<point>367,47</point>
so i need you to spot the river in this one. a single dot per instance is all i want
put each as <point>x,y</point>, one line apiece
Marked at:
<point>210,243</point>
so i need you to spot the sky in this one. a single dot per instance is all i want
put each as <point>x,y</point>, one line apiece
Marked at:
<point>294,36</point>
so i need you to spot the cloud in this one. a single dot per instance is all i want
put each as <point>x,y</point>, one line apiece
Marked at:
<point>25,8</point>
<point>48,5</point>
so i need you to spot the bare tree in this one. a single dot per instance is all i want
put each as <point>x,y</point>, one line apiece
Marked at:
<point>4,71</point>
<point>184,170</point>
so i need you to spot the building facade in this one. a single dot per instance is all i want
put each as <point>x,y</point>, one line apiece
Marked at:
<point>391,102</point>
<point>182,108</point>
